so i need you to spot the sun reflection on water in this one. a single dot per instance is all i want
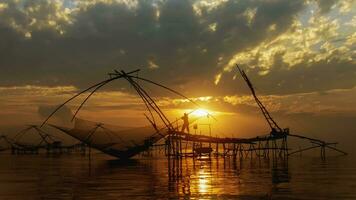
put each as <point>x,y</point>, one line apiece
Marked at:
<point>206,178</point>
<point>203,183</point>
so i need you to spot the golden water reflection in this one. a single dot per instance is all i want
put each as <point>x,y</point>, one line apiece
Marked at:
<point>209,177</point>
<point>203,183</point>
<point>70,177</point>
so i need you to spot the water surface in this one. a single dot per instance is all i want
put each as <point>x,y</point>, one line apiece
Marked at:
<point>74,177</point>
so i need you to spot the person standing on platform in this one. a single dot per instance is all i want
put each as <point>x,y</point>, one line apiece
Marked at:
<point>185,122</point>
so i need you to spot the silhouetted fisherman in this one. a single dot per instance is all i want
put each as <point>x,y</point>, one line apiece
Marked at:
<point>185,122</point>
<point>274,132</point>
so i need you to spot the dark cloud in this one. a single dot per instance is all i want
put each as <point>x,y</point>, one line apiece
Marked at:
<point>189,48</point>
<point>321,76</point>
<point>325,5</point>
<point>106,36</point>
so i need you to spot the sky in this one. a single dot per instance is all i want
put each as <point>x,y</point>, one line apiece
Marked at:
<point>300,56</point>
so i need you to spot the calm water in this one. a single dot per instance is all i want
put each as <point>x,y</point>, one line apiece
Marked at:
<point>71,177</point>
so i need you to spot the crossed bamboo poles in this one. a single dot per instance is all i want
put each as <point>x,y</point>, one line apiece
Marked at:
<point>149,102</point>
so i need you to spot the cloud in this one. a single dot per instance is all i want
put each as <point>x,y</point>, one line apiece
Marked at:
<point>63,115</point>
<point>315,53</point>
<point>58,40</point>
<point>300,44</point>
<point>31,104</point>
<point>152,65</point>
<point>31,90</point>
<point>290,49</point>
<point>326,5</point>
<point>336,101</point>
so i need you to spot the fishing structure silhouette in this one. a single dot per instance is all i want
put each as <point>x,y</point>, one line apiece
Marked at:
<point>47,142</point>
<point>177,143</point>
<point>275,142</point>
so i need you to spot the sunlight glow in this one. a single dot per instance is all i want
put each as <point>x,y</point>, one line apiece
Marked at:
<point>200,112</point>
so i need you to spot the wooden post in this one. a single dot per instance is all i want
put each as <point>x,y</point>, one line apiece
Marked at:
<point>259,149</point>
<point>234,151</point>
<point>287,146</point>
<point>251,149</point>
<point>224,152</point>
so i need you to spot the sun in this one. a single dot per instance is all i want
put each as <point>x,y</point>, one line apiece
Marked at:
<point>200,112</point>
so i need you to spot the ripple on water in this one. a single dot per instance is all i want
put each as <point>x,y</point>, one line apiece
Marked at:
<point>71,177</point>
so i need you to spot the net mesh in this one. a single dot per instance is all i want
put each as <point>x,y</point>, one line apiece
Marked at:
<point>115,140</point>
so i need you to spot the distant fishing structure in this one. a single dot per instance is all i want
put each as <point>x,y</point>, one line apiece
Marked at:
<point>46,142</point>
<point>6,143</point>
<point>125,143</point>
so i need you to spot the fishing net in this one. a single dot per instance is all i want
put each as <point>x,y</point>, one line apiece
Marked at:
<point>4,143</point>
<point>115,140</point>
